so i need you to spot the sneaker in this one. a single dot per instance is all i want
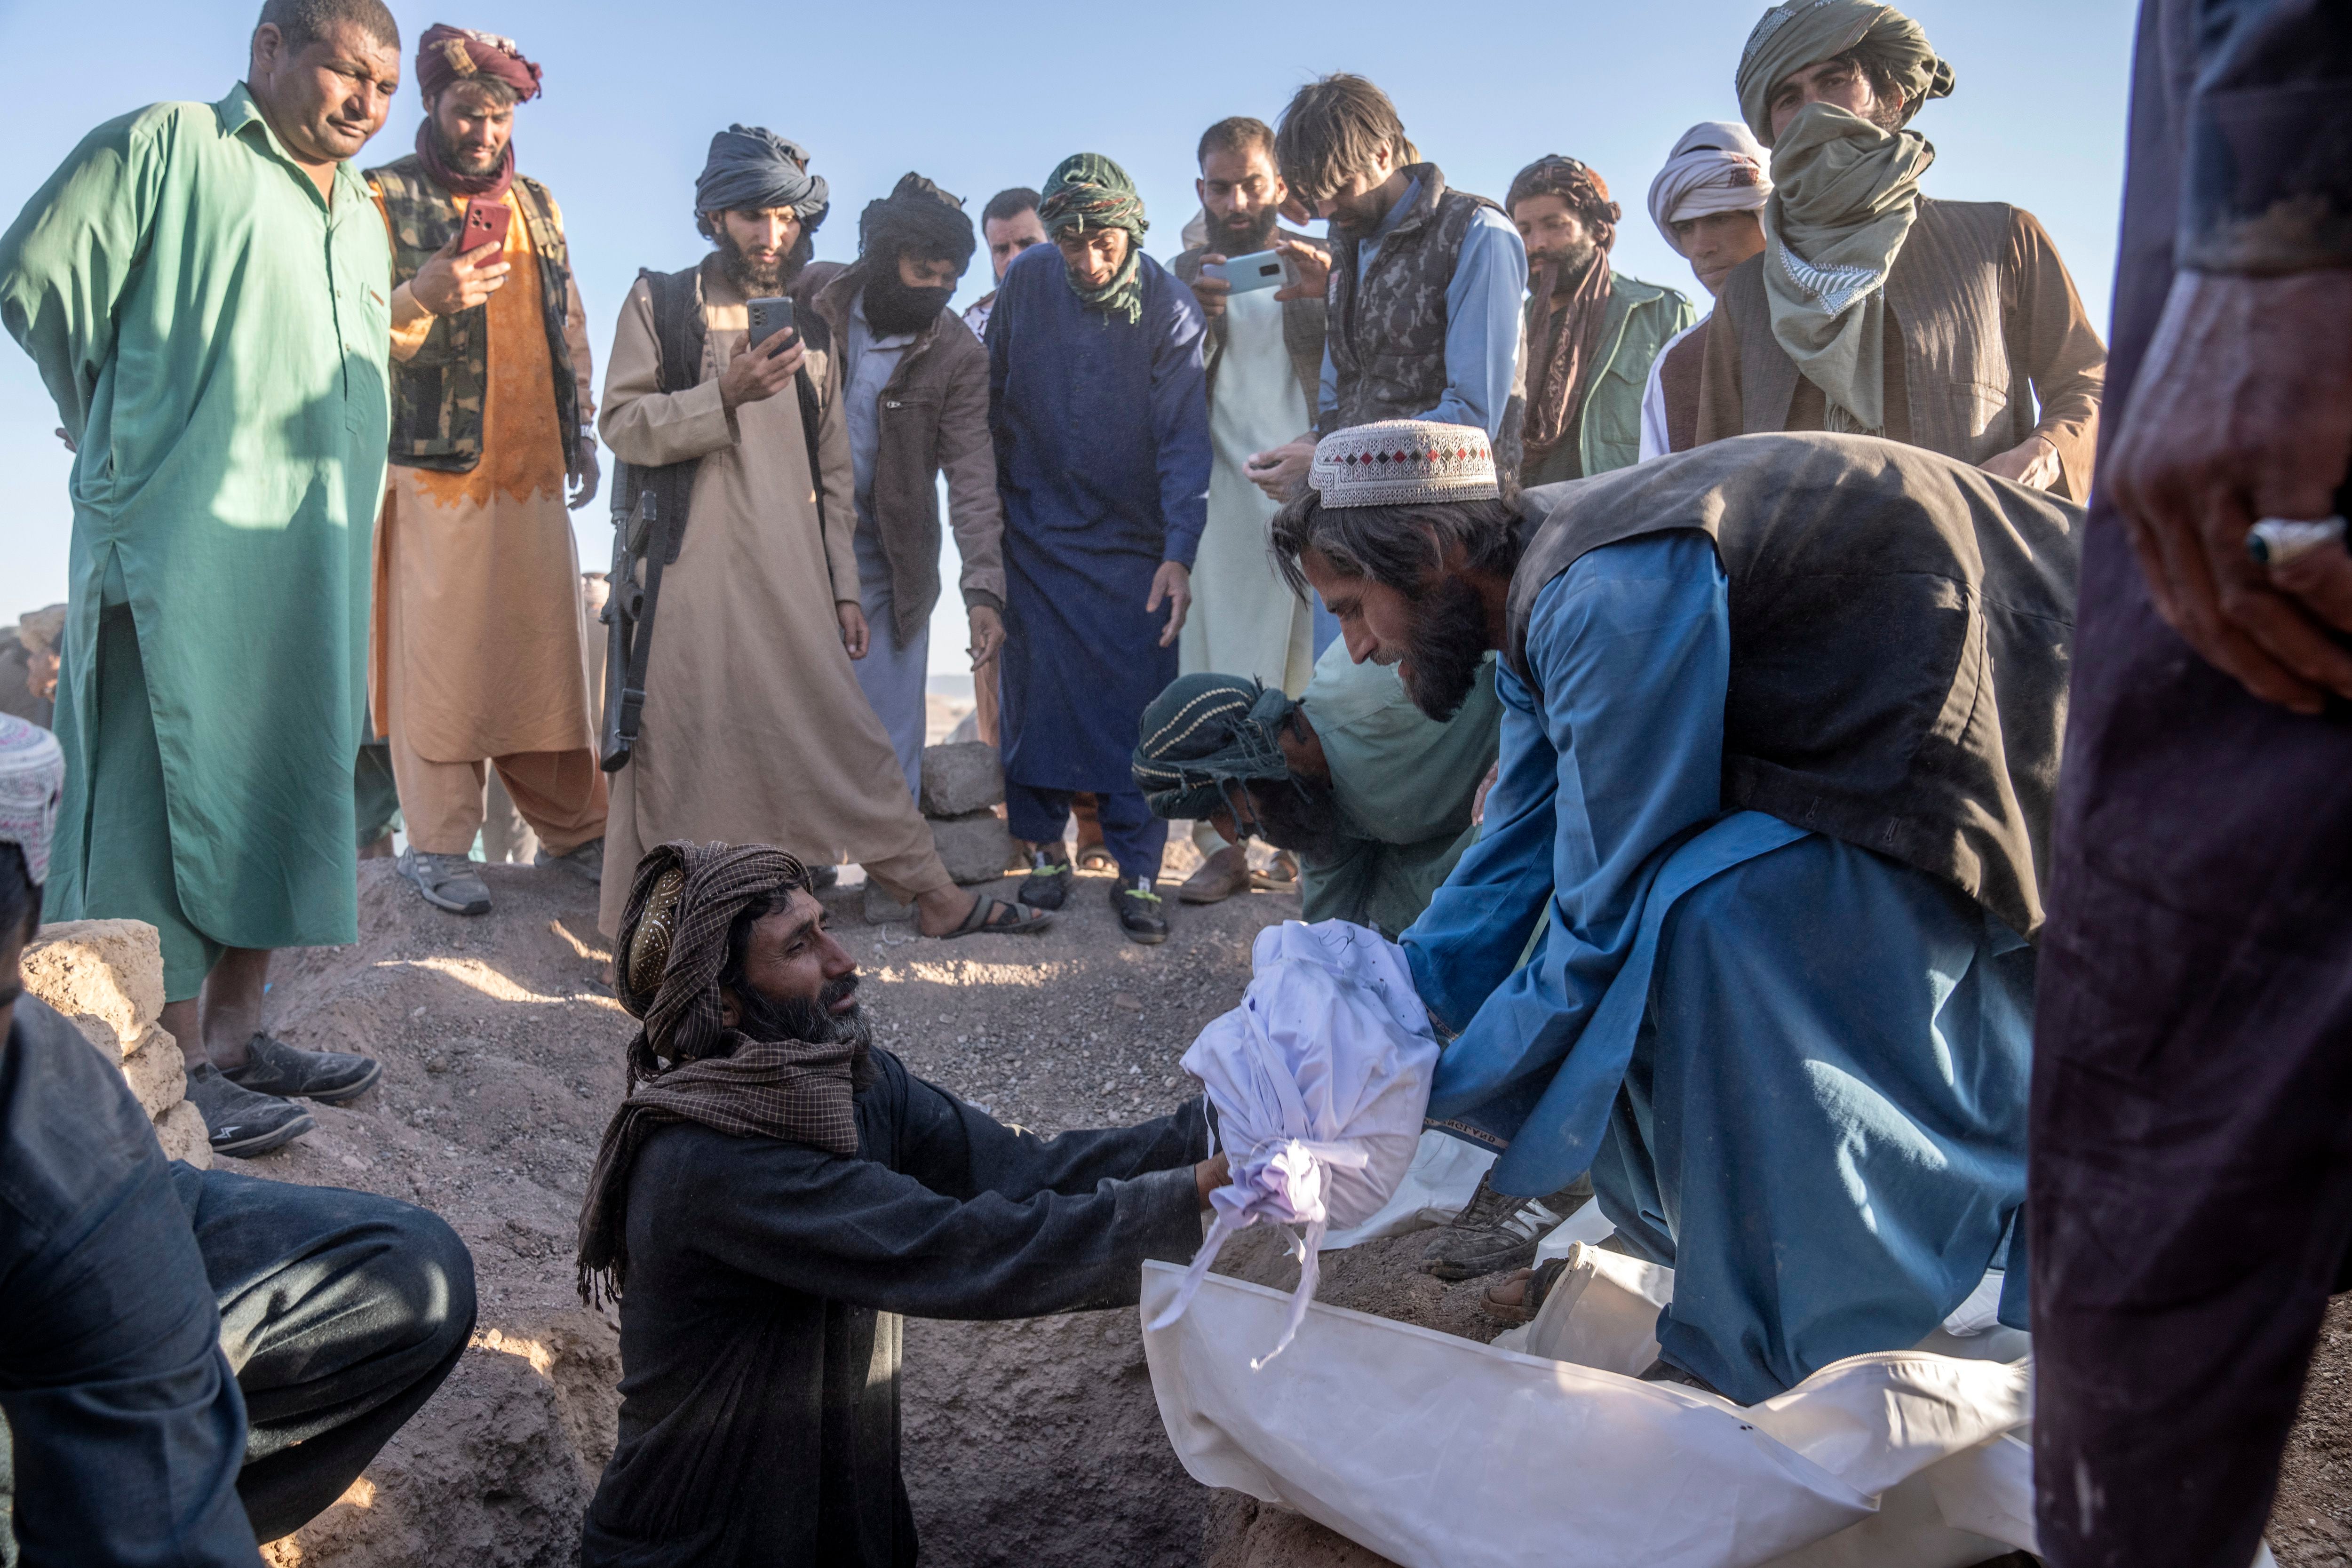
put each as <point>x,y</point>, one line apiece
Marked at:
<point>1496,1231</point>
<point>330,1077</point>
<point>447,881</point>
<point>1048,882</point>
<point>587,862</point>
<point>1140,913</point>
<point>239,1122</point>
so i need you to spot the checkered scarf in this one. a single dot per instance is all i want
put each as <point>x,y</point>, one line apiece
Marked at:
<point>1087,189</point>
<point>685,1064</point>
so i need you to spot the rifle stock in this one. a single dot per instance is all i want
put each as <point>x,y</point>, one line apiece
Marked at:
<point>639,537</point>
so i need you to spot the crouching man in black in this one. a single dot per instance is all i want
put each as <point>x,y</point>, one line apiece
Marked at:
<point>776,1192</point>
<point>190,1361</point>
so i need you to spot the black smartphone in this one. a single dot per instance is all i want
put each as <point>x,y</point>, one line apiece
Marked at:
<point>769,315</point>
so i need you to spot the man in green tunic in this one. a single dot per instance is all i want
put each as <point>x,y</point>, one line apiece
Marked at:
<point>203,288</point>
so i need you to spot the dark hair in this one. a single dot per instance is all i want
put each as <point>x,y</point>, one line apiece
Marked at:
<point>1299,815</point>
<point>1335,127</point>
<point>1006,206</point>
<point>1398,546</point>
<point>1880,66</point>
<point>1235,133</point>
<point>301,23</point>
<point>20,895</point>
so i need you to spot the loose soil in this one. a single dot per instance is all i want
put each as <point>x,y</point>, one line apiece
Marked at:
<point>1031,1444</point>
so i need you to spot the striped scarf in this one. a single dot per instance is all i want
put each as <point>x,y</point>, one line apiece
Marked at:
<point>1088,190</point>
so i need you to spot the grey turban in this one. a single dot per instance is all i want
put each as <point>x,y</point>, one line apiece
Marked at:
<point>1801,33</point>
<point>753,168</point>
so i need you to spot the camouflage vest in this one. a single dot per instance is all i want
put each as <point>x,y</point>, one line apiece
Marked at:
<point>436,395</point>
<point>1388,334</point>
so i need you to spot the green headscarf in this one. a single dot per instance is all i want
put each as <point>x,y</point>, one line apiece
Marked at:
<point>1204,739</point>
<point>1845,195</point>
<point>1801,33</point>
<point>1087,189</point>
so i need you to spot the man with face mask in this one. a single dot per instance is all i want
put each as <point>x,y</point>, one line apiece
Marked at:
<point>1780,1006</point>
<point>1266,352</point>
<point>477,659</point>
<point>915,398</point>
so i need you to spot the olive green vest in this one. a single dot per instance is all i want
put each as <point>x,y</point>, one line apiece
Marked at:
<point>436,395</point>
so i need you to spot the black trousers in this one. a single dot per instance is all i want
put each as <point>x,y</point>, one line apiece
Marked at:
<point>341,1313</point>
<point>2191,1185</point>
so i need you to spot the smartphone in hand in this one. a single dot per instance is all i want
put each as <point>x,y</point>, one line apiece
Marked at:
<point>1260,270</point>
<point>487,219</point>
<point>769,315</point>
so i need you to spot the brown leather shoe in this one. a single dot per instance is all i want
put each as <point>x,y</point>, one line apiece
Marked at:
<point>1220,875</point>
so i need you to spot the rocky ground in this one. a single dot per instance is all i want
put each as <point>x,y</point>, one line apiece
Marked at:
<point>1035,1443</point>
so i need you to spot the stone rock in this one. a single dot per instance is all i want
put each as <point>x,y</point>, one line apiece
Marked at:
<point>974,846</point>
<point>1243,1533</point>
<point>960,779</point>
<point>157,1073</point>
<point>183,1134</point>
<point>108,970</point>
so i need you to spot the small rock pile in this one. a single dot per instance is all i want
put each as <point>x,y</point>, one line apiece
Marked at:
<point>107,977</point>
<point>963,784</point>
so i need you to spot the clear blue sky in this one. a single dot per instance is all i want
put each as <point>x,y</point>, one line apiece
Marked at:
<point>982,98</point>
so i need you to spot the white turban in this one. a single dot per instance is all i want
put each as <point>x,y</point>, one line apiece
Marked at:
<point>1719,167</point>
<point>32,782</point>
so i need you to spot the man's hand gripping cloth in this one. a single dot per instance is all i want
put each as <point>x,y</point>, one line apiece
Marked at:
<point>1319,1078</point>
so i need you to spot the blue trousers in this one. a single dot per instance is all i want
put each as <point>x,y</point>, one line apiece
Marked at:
<point>1135,838</point>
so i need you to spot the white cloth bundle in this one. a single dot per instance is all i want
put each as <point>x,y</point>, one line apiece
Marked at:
<point>1319,1078</point>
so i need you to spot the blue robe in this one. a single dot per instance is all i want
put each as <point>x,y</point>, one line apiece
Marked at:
<point>1102,458</point>
<point>1796,1069</point>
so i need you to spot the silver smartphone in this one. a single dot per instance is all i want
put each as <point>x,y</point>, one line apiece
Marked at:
<point>1259,269</point>
<point>769,315</point>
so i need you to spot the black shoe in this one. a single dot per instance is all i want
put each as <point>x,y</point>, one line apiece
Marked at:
<point>240,1122</point>
<point>1140,913</point>
<point>273,1066</point>
<point>1047,884</point>
<point>1496,1231</point>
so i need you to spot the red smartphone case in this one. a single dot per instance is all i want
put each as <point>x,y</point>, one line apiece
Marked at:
<point>485,224</point>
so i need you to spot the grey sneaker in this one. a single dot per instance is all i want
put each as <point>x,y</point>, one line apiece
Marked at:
<point>586,862</point>
<point>1496,1231</point>
<point>273,1066</point>
<point>447,881</point>
<point>240,1122</point>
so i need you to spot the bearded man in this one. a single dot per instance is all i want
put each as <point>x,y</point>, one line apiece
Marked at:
<point>1878,310</point>
<point>1708,204</point>
<point>1097,402</point>
<point>1266,354</point>
<point>1780,1006</point>
<point>754,726</point>
<point>202,287</point>
<point>915,399</point>
<point>1592,333</point>
<point>477,659</point>
<point>777,1191</point>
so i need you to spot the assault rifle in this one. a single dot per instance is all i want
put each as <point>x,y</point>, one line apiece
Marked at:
<point>639,536</point>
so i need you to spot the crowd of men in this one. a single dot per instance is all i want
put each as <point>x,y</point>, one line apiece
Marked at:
<point>1686,696</point>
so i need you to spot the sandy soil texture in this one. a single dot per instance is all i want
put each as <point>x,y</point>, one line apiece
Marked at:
<point>1030,1444</point>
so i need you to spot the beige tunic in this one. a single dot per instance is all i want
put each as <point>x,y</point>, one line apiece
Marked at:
<point>477,630</point>
<point>755,730</point>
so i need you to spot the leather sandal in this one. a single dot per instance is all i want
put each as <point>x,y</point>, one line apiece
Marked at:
<point>982,920</point>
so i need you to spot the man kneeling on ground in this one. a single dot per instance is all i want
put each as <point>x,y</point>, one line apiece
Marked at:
<point>777,1191</point>
<point>1781,723</point>
<point>190,1361</point>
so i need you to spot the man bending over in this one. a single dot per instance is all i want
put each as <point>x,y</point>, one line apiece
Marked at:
<point>777,1191</point>
<point>1781,723</point>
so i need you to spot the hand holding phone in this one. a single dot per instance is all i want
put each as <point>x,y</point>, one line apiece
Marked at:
<point>771,356</point>
<point>487,219</point>
<point>468,269</point>
<point>767,316</point>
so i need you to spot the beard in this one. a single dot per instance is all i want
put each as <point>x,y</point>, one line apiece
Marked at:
<point>809,1019</point>
<point>759,280</point>
<point>1447,646</point>
<point>1569,266</point>
<point>465,160</point>
<point>892,307</point>
<point>1241,236</point>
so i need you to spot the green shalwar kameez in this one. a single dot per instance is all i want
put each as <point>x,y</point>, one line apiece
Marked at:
<point>216,336</point>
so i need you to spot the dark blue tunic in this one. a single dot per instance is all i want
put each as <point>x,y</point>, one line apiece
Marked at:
<point>1102,458</point>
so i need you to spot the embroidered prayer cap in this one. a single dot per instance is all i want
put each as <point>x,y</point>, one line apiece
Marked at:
<point>1717,167</point>
<point>1203,739</point>
<point>447,54</point>
<point>673,941</point>
<point>751,168</point>
<point>1404,462</point>
<point>32,783</point>
<point>1801,33</point>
